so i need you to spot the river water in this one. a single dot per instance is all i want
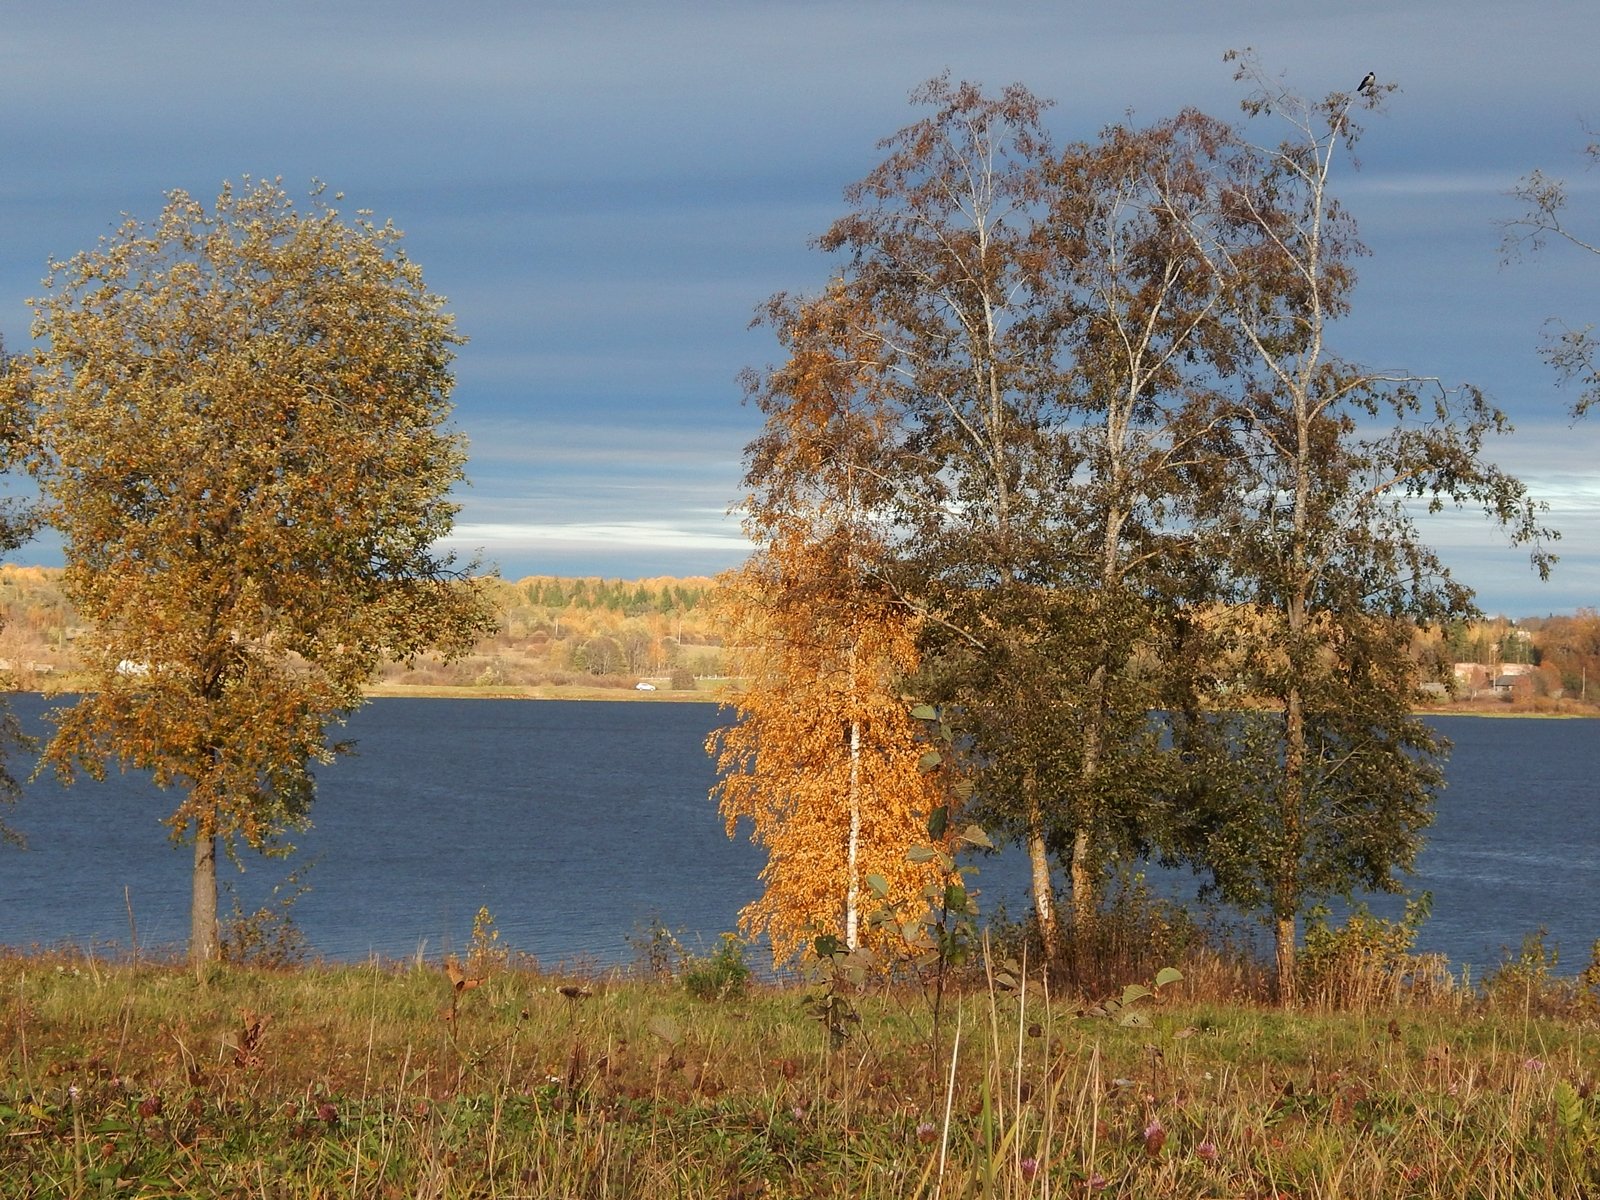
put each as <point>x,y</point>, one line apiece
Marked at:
<point>577,823</point>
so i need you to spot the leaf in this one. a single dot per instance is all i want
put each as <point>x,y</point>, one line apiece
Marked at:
<point>459,979</point>
<point>1133,993</point>
<point>1569,1107</point>
<point>1133,1018</point>
<point>939,822</point>
<point>925,712</point>
<point>1168,976</point>
<point>878,884</point>
<point>929,761</point>
<point>922,854</point>
<point>974,835</point>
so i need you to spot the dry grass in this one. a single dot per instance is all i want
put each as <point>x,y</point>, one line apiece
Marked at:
<point>353,1081</point>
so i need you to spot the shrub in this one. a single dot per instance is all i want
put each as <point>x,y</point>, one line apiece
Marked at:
<point>722,975</point>
<point>1367,960</point>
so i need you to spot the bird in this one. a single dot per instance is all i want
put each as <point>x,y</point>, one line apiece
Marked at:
<point>1368,82</point>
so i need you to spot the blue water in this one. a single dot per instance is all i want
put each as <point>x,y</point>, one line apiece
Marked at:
<point>576,823</point>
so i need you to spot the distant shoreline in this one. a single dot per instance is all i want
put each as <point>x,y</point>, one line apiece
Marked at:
<point>718,695</point>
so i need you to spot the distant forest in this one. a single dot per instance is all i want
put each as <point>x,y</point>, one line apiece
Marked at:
<point>590,633</point>
<point>553,632</point>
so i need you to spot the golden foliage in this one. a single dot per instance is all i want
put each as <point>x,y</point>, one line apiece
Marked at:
<point>814,674</point>
<point>240,414</point>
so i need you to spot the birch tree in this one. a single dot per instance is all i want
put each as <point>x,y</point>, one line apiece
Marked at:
<point>1573,351</point>
<point>241,411</point>
<point>822,758</point>
<point>1323,780</point>
<point>940,264</point>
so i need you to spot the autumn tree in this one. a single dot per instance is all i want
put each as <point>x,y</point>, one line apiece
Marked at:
<point>1049,340</point>
<point>242,417</point>
<point>1141,349</point>
<point>823,757</point>
<point>1573,352</point>
<point>940,269</point>
<point>1321,782</point>
<point>18,519</point>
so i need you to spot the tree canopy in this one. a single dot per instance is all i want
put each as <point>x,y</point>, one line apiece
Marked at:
<point>1116,470</point>
<point>241,415</point>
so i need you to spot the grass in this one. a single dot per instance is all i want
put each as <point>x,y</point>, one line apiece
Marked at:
<point>341,1081</point>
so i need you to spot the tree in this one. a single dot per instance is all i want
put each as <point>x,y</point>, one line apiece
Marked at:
<point>1321,782</point>
<point>241,415</point>
<point>1142,351</point>
<point>823,758</point>
<point>940,271</point>
<point>1046,335</point>
<point>1573,352</point>
<point>18,519</point>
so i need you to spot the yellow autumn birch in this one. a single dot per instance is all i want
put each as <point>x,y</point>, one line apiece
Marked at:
<point>822,760</point>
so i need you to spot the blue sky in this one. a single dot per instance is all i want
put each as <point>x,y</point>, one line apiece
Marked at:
<point>605,191</point>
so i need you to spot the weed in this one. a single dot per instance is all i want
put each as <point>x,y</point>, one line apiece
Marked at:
<point>657,951</point>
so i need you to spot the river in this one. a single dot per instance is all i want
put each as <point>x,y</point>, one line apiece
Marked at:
<point>577,823</point>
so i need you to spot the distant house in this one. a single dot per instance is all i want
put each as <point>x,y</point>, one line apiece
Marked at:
<point>1471,676</point>
<point>1509,683</point>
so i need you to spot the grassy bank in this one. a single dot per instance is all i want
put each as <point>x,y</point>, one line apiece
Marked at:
<point>389,1081</point>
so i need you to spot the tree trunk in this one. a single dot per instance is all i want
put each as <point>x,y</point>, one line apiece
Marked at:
<point>852,892</point>
<point>1085,882</point>
<point>1085,888</point>
<point>205,945</point>
<point>1044,900</point>
<point>1284,934</point>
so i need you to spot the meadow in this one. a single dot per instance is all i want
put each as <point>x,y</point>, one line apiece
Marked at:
<point>687,1077</point>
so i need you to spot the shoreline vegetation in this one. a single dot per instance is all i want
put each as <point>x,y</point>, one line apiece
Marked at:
<point>488,1077</point>
<point>597,639</point>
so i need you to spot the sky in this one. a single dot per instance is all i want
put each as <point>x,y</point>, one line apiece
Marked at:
<point>605,191</point>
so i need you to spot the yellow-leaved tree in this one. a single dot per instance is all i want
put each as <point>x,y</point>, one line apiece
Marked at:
<point>241,418</point>
<point>823,758</point>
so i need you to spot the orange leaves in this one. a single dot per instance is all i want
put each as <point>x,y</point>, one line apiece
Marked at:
<point>822,761</point>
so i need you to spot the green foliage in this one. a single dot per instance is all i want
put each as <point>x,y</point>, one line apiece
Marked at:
<point>1364,962</point>
<point>721,975</point>
<point>841,974</point>
<point>1124,1008</point>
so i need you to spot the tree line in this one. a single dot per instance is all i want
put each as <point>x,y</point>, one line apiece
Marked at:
<point>547,631</point>
<point>1066,450</point>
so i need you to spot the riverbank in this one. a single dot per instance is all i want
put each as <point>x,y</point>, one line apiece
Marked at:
<point>402,1080</point>
<point>708,695</point>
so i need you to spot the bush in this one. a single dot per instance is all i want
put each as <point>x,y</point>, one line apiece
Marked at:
<point>269,936</point>
<point>721,976</point>
<point>1366,961</point>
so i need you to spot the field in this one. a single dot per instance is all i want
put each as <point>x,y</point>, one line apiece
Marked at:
<point>405,1080</point>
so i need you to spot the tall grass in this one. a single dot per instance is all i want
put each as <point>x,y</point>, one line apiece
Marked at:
<point>351,1081</point>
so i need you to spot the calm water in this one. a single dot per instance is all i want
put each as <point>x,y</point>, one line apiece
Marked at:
<point>576,823</point>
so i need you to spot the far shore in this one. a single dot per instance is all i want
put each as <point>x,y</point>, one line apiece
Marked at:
<point>719,692</point>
